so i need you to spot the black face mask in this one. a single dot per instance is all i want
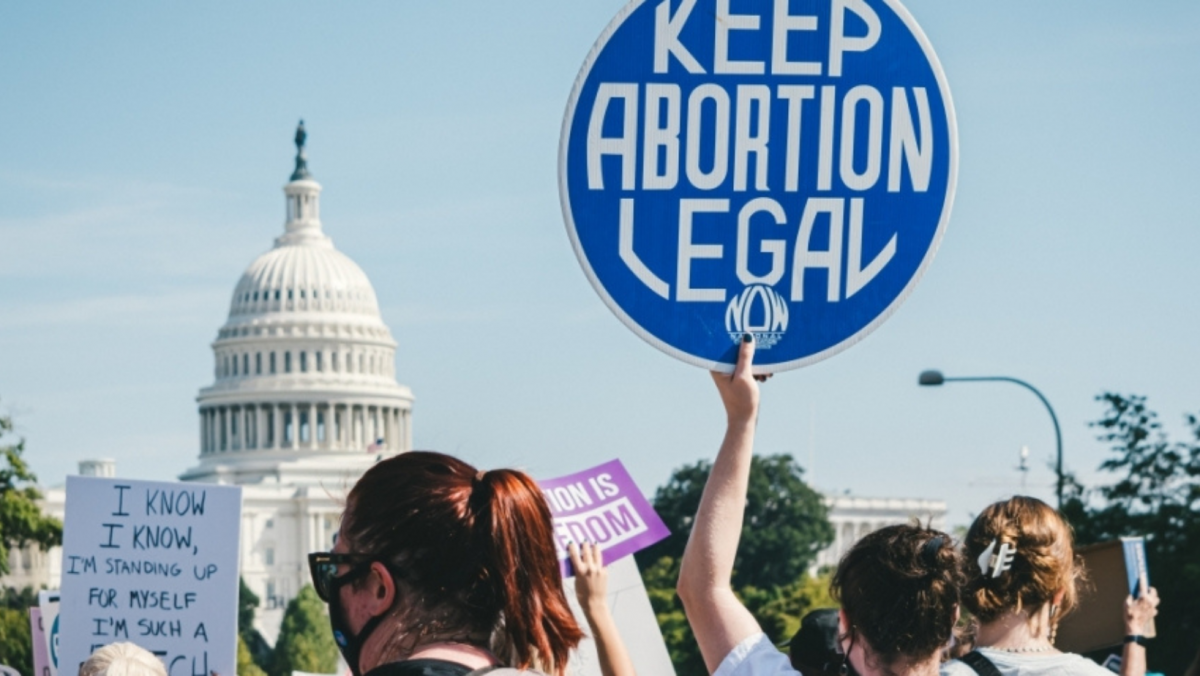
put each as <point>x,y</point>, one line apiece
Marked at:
<point>349,643</point>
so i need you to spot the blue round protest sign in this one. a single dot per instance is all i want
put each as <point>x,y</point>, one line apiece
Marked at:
<point>782,168</point>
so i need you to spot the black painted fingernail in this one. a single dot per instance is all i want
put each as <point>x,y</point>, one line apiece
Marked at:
<point>748,338</point>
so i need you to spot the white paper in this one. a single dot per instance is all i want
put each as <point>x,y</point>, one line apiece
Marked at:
<point>48,605</point>
<point>154,563</point>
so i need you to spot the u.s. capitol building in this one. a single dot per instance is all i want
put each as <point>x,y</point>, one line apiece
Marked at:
<point>304,400</point>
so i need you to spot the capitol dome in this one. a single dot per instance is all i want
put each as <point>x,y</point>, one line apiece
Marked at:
<point>293,278</point>
<point>304,366</point>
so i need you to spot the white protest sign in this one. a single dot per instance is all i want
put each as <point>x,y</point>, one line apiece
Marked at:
<point>154,563</point>
<point>48,612</point>
<point>634,617</point>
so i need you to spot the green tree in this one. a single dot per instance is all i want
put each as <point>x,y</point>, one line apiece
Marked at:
<point>16,642</point>
<point>786,522</point>
<point>21,520</point>
<point>1156,494</point>
<point>245,661</point>
<point>247,602</point>
<point>19,599</point>
<point>659,579</point>
<point>305,642</point>
<point>780,609</point>
<point>777,609</point>
<point>257,646</point>
<point>16,648</point>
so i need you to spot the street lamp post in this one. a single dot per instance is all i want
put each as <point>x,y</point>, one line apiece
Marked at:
<point>933,378</point>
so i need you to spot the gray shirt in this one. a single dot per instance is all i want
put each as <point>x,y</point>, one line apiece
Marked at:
<point>1030,664</point>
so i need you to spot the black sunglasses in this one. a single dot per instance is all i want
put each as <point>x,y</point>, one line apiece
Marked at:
<point>323,568</point>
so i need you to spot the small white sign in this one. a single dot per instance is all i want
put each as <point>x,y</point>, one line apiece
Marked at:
<point>634,617</point>
<point>154,563</point>
<point>48,618</point>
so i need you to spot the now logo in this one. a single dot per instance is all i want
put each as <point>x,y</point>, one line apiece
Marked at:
<point>760,311</point>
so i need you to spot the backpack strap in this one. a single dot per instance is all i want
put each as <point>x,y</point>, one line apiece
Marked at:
<point>484,670</point>
<point>980,663</point>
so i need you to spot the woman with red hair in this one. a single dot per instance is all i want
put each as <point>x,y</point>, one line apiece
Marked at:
<point>440,569</point>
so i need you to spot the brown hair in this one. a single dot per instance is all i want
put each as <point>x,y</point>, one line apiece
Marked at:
<point>1044,562</point>
<point>899,587</point>
<point>473,554</point>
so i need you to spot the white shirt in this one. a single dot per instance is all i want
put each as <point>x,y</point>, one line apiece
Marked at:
<point>1030,664</point>
<point>755,656</point>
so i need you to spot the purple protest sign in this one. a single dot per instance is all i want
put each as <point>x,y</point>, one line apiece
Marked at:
<point>604,506</point>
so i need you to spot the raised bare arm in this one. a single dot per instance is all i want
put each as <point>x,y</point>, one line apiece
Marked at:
<point>718,619</point>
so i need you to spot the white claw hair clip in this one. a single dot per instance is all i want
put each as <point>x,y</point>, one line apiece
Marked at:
<point>997,561</point>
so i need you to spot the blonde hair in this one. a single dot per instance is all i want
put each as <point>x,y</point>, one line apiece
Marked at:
<point>1044,563</point>
<point>122,659</point>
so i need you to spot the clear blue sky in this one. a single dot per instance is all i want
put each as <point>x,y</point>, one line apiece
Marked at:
<point>143,148</point>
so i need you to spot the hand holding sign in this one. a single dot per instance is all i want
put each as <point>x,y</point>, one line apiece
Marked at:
<point>591,588</point>
<point>739,390</point>
<point>591,577</point>
<point>1141,609</point>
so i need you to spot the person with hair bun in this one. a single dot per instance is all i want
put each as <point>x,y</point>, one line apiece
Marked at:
<point>1021,572</point>
<point>440,569</point>
<point>899,586</point>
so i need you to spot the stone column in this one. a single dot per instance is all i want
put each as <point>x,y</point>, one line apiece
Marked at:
<point>276,426</point>
<point>298,440</point>
<point>407,430</point>
<point>312,427</point>
<point>260,426</point>
<point>240,424</point>
<point>326,412</point>
<point>295,426</point>
<point>226,434</point>
<point>203,432</point>
<point>281,411</point>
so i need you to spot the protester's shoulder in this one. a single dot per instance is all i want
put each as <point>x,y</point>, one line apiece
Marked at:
<point>1014,664</point>
<point>755,656</point>
<point>955,668</point>
<point>1082,666</point>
